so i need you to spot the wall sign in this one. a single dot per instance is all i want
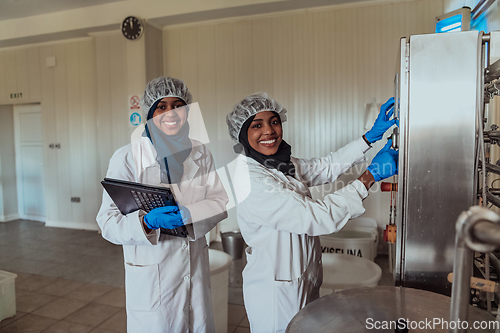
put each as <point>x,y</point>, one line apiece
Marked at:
<point>133,102</point>
<point>134,110</point>
<point>135,118</point>
<point>16,95</point>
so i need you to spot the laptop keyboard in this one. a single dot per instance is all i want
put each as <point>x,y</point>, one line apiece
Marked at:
<point>147,201</point>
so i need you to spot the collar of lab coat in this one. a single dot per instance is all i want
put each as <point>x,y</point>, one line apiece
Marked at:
<point>250,168</point>
<point>253,164</point>
<point>144,154</point>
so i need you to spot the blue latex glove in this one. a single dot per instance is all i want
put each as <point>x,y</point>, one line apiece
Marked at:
<point>168,217</point>
<point>385,163</point>
<point>383,122</point>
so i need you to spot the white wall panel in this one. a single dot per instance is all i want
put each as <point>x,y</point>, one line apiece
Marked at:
<point>282,69</point>
<point>91,187</point>
<point>19,73</point>
<point>61,120</point>
<point>224,76</point>
<point>324,65</point>
<point>33,67</point>
<point>189,58</point>
<point>206,97</point>
<point>172,54</point>
<point>154,52</point>
<point>120,73</point>
<point>3,88</point>
<point>118,67</point>
<point>135,71</point>
<point>262,42</point>
<point>104,133</point>
<point>21,69</point>
<point>8,184</point>
<point>67,92</point>
<point>10,78</point>
<point>224,42</point>
<point>243,65</point>
<point>47,83</point>
<point>75,133</point>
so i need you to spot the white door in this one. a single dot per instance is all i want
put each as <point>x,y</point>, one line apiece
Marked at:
<point>29,161</point>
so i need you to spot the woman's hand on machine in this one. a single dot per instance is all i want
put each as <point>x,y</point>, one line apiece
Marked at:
<point>168,217</point>
<point>383,122</point>
<point>385,163</point>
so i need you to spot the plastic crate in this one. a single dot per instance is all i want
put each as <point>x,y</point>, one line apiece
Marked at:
<point>7,295</point>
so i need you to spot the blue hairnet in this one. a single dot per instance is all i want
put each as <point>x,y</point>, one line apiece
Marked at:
<point>248,107</point>
<point>162,87</point>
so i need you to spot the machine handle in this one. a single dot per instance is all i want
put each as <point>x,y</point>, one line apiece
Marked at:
<point>388,187</point>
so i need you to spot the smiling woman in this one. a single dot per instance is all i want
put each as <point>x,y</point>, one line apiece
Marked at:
<point>265,133</point>
<point>170,115</point>
<point>277,216</point>
<point>167,277</point>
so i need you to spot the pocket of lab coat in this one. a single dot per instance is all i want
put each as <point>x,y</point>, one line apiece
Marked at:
<point>142,287</point>
<point>199,193</point>
<point>286,303</point>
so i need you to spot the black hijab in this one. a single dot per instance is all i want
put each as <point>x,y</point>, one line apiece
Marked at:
<point>279,161</point>
<point>172,150</point>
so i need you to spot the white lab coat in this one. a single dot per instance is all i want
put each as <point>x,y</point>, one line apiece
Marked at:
<point>167,278</point>
<point>281,222</point>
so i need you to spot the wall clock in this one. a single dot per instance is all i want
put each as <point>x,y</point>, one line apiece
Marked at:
<point>132,28</point>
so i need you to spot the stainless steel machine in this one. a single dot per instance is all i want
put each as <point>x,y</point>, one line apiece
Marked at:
<point>440,85</point>
<point>443,85</point>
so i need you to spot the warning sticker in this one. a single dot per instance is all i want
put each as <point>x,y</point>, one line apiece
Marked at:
<point>134,102</point>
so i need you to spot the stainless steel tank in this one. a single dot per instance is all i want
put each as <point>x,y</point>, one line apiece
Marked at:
<point>378,309</point>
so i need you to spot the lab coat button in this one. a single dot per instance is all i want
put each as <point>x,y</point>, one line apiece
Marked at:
<point>184,245</point>
<point>186,278</point>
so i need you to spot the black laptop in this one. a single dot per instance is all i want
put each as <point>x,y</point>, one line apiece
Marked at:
<point>130,197</point>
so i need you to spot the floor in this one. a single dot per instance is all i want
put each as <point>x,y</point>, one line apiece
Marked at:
<point>73,281</point>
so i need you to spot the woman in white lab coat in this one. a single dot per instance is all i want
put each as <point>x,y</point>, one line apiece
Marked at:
<point>167,278</point>
<point>277,216</point>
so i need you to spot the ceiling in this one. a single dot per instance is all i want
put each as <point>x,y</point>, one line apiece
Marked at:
<point>12,9</point>
<point>261,8</point>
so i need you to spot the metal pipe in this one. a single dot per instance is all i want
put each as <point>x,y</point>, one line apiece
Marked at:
<point>495,262</point>
<point>483,176</point>
<point>487,276</point>
<point>493,72</point>
<point>478,229</point>
<point>492,88</point>
<point>460,290</point>
<point>480,8</point>
<point>486,232</point>
<point>492,134</point>
<point>493,199</point>
<point>492,168</point>
<point>478,5</point>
